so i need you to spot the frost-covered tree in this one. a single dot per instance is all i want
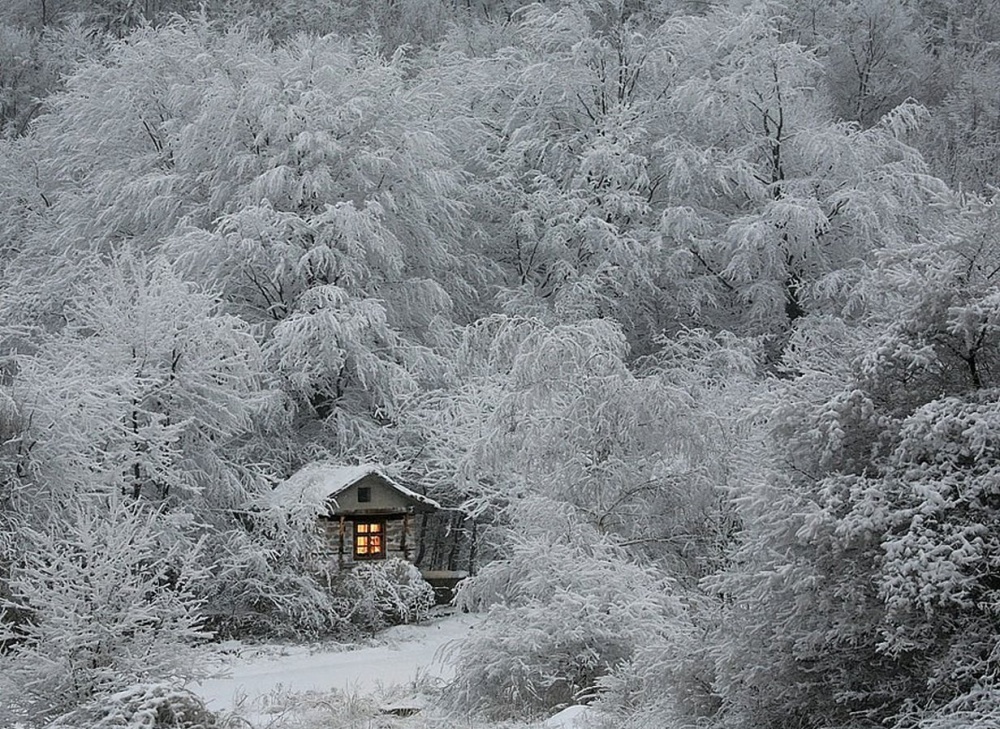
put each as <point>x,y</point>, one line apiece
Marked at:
<point>347,208</point>
<point>32,64</point>
<point>110,601</point>
<point>875,54</point>
<point>564,607</point>
<point>681,169</point>
<point>114,17</point>
<point>143,391</point>
<point>960,138</point>
<point>574,463</point>
<point>150,392</point>
<point>19,79</point>
<point>866,584</point>
<point>568,183</point>
<point>312,185</point>
<point>554,411</point>
<point>772,206</point>
<point>411,24</point>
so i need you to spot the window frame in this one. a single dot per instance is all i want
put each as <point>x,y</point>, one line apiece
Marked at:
<point>357,536</point>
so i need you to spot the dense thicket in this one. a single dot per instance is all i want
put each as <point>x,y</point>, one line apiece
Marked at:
<point>698,297</point>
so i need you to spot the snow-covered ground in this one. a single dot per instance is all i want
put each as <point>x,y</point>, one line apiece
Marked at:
<point>405,656</point>
<point>276,686</point>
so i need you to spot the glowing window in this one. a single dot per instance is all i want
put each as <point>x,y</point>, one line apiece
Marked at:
<point>369,540</point>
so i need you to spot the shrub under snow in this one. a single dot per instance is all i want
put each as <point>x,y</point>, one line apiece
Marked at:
<point>564,608</point>
<point>265,585</point>
<point>109,606</point>
<point>144,706</point>
<point>389,592</point>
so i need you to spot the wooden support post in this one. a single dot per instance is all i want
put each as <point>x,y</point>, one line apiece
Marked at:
<point>340,551</point>
<point>402,541</point>
<point>421,546</point>
<point>455,527</point>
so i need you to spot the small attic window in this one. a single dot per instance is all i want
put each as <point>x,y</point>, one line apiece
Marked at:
<point>364,494</point>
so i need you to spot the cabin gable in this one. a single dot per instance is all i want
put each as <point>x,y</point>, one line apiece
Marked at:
<point>371,495</point>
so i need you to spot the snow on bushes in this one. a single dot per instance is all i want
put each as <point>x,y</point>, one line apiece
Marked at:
<point>564,608</point>
<point>265,583</point>
<point>109,606</point>
<point>143,706</point>
<point>389,592</point>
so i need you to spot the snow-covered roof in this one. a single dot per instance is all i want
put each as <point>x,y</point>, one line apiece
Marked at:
<point>318,482</point>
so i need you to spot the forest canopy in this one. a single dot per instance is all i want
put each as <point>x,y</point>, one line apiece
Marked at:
<point>690,307</point>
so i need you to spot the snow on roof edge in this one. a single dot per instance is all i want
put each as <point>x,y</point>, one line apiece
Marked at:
<point>320,481</point>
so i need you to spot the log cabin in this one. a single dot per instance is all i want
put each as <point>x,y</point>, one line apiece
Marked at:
<point>363,514</point>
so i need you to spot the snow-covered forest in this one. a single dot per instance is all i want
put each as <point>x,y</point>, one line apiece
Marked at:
<point>687,308</point>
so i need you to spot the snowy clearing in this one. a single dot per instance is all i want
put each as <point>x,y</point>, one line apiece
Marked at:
<point>405,656</point>
<point>272,686</point>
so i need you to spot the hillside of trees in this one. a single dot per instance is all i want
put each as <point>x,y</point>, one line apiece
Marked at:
<point>691,304</point>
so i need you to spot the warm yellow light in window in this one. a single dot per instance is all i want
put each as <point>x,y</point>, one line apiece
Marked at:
<point>368,539</point>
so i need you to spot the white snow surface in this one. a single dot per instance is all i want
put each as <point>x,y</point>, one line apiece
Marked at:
<point>572,717</point>
<point>404,655</point>
<point>317,482</point>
